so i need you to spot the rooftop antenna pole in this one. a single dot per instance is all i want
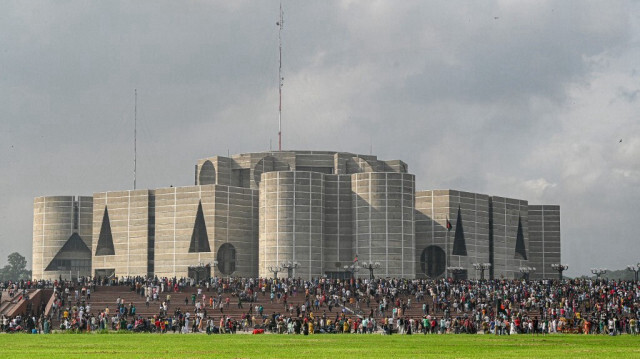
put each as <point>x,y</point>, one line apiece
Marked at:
<point>280,79</point>
<point>135,136</point>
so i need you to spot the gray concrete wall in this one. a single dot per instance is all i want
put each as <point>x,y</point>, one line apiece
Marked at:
<point>505,227</point>
<point>383,211</point>
<point>176,210</point>
<point>433,208</point>
<point>229,170</point>
<point>313,159</point>
<point>270,162</point>
<point>129,220</point>
<point>395,166</point>
<point>291,222</point>
<point>230,216</point>
<point>429,227</point>
<point>236,223</point>
<point>360,164</point>
<point>544,240</point>
<point>474,209</point>
<point>53,224</point>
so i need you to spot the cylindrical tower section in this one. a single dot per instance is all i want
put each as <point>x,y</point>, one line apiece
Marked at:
<point>291,223</point>
<point>383,212</point>
<point>62,227</point>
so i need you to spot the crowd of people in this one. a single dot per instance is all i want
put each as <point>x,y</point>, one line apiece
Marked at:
<point>297,306</point>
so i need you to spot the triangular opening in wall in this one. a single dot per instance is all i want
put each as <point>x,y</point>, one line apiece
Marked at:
<point>105,240</point>
<point>73,249</point>
<point>521,250</point>
<point>459,245</point>
<point>199,238</point>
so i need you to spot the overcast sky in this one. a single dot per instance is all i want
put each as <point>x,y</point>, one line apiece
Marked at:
<point>524,99</point>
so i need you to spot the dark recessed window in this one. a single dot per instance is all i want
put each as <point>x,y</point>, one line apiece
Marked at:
<point>105,240</point>
<point>432,261</point>
<point>226,259</point>
<point>199,237</point>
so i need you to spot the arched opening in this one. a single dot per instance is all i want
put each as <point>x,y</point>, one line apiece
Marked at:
<point>432,261</point>
<point>358,165</point>
<point>207,173</point>
<point>264,165</point>
<point>226,259</point>
<point>268,164</point>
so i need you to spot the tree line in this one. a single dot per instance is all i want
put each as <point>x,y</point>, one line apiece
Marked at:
<point>16,268</point>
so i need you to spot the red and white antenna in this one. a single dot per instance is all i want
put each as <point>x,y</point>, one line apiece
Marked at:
<point>280,79</point>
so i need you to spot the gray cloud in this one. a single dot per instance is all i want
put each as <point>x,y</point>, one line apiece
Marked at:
<point>529,105</point>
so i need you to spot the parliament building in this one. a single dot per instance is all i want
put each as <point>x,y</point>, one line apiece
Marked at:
<point>308,214</point>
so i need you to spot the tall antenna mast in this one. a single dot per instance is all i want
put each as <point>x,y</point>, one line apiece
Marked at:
<point>135,136</point>
<point>280,79</point>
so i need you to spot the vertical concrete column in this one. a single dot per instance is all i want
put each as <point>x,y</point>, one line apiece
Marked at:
<point>291,222</point>
<point>384,232</point>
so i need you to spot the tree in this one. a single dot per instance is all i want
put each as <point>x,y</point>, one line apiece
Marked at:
<point>16,269</point>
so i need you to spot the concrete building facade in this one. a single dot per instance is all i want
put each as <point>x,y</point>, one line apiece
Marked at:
<point>544,239</point>
<point>509,236</point>
<point>207,230</point>
<point>326,212</point>
<point>461,244</point>
<point>383,211</point>
<point>338,249</point>
<point>123,228</point>
<point>62,237</point>
<point>291,222</point>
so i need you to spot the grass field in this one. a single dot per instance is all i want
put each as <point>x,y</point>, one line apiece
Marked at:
<point>315,346</point>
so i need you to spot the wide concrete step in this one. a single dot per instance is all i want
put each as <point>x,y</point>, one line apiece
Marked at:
<point>104,297</point>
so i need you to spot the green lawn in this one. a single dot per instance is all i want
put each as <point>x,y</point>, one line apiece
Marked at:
<point>350,346</point>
